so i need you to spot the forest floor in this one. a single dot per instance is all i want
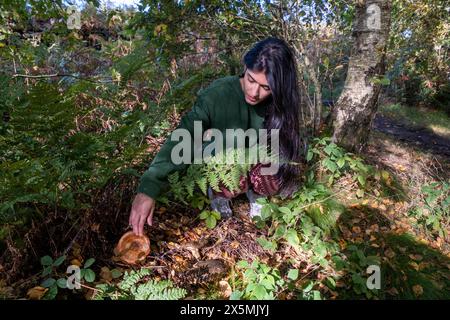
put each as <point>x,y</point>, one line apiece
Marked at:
<point>203,260</point>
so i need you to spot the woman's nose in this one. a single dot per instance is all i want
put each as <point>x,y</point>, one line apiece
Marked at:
<point>255,92</point>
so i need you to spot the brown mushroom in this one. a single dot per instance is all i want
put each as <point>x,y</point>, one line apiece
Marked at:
<point>132,248</point>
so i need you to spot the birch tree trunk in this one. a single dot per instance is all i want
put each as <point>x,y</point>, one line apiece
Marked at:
<point>357,105</point>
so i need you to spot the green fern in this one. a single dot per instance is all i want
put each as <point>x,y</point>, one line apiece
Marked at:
<point>130,288</point>
<point>225,169</point>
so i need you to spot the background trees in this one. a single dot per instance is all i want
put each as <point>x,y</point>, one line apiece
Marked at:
<point>84,111</point>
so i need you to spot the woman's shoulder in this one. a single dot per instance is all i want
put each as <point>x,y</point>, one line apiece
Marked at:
<point>220,88</point>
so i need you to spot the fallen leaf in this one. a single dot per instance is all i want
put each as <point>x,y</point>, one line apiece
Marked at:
<point>356,229</point>
<point>162,210</point>
<point>106,274</point>
<point>36,293</point>
<point>76,262</point>
<point>225,289</point>
<point>416,257</point>
<point>235,244</point>
<point>389,253</point>
<point>418,290</point>
<point>414,265</point>
<point>393,291</point>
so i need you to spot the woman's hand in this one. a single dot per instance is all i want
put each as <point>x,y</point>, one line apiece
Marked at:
<point>141,211</point>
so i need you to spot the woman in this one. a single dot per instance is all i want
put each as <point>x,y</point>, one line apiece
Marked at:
<point>265,96</point>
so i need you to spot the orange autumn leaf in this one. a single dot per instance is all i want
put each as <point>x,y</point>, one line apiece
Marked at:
<point>418,290</point>
<point>36,293</point>
<point>356,229</point>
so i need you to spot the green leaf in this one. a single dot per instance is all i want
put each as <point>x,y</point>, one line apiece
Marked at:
<point>293,274</point>
<point>211,222</point>
<point>330,165</point>
<point>280,231</point>
<point>268,283</point>
<point>242,264</point>
<point>309,155</point>
<point>236,295</point>
<point>259,292</point>
<point>51,293</point>
<point>46,261</point>
<point>204,215</point>
<point>62,283</point>
<point>308,287</point>
<point>316,295</point>
<point>89,263</point>
<point>59,261</point>
<point>89,275</point>
<point>331,282</point>
<point>362,180</point>
<point>215,214</point>
<point>266,244</point>
<point>116,273</point>
<point>47,270</point>
<point>385,81</point>
<point>341,162</point>
<point>47,283</point>
<point>292,237</point>
<point>284,210</point>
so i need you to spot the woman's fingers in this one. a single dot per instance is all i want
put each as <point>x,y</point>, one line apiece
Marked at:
<point>141,225</point>
<point>135,222</point>
<point>150,216</point>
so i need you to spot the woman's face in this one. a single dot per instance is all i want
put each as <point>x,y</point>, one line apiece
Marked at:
<point>255,87</point>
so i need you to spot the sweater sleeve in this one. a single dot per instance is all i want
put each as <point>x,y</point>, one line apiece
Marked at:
<point>154,179</point>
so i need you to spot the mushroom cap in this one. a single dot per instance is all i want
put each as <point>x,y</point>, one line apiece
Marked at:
<point>132,248</point>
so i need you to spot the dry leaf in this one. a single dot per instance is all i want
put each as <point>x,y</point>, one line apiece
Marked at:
<point>416,257</point>
<point>225,289</point>
<point>393,291</point>
<point>36,293</point>
<point>414,265</point>
<point>389,253</point>
<point>76,262</point>
<point>356,229</point>
<point>235,244</point>
<point>105,274</point>
<point>418,290</point>
<point>162,210</point>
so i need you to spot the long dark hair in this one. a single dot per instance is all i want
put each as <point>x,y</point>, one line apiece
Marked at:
<point>274,57</point>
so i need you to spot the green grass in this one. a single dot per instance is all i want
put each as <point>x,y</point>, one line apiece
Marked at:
<point>436,120</point>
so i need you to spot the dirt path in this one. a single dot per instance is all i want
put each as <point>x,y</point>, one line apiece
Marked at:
<point>420,137</point>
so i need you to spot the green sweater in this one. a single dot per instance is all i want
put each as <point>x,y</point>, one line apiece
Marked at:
<point>222,106</point>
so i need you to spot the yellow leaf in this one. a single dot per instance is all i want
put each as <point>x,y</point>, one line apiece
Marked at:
<point>36,293</point>
<point>418,290</point>
<point>75,262</point>
<point>356,229</point>
<point>389,253</point>
<point>414,265</point>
